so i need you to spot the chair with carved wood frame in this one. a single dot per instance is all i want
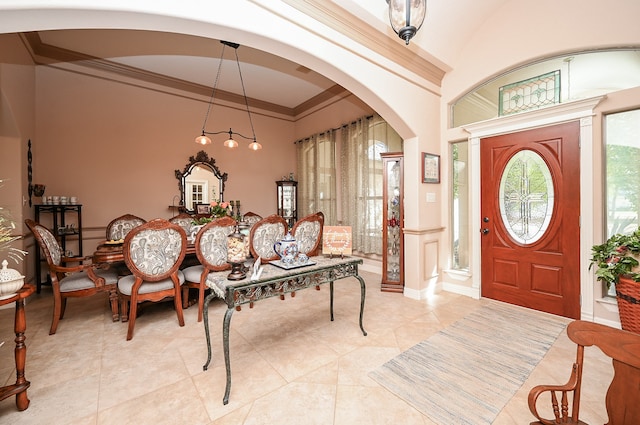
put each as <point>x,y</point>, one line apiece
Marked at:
<point>153,252</point>
<point>622,398</point>
<point>184,220</point>
<point>82,280</point>
<point>264,234</point>
<point>119,227</point>
<point>251,218</point>
<point>211,250</point>
<point>308,234</point>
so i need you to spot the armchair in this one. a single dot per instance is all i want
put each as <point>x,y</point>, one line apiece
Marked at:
<point>622,399</point>
<point>82,280</point>
<point>153,253</point>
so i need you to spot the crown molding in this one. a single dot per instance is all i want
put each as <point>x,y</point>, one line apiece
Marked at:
<point>342,21</point>
<point>46,54</point>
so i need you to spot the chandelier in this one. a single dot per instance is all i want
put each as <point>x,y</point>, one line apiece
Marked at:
<point>406,17</point>
<point>204,138</point>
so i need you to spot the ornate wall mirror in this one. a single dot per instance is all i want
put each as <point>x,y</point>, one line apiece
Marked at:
<point>200,182</point>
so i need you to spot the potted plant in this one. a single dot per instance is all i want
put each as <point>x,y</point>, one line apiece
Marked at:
<point>617,264</point>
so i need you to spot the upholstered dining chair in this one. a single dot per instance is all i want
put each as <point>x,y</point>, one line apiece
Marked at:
<point>183,220</point>
<point>211,250</point>
<point>153,252</point>
<point>264,234</point>
<point>77,281</point>
<point>119,227</point>
<point>308,234</point>
<point>251,218</point>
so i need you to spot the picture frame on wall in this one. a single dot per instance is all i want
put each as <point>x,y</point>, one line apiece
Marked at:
<point>203,208</point>
<point>430,168</point>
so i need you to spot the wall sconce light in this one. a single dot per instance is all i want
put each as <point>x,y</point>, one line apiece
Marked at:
<point>204,138</point>
<point>406,17</point>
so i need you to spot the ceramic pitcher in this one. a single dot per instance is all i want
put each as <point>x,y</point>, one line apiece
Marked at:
<point>286,248</point>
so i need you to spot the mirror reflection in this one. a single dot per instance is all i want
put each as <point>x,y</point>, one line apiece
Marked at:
<point>201,182</point>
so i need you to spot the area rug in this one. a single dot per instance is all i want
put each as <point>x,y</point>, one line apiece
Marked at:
<point>466,373</point>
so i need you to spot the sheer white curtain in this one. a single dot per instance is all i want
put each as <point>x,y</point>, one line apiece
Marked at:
<point>361,179</point>
<point>317,176</point>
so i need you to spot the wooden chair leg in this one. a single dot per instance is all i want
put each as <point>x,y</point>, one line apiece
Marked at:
<point>185,296</point>
<point>57,307</point>
<point>200,302</point>
<point>178,303</point>
<point>133,310</point>
<point>63,305</point>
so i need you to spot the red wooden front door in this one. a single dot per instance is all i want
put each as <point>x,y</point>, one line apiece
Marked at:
<point>530,212</point>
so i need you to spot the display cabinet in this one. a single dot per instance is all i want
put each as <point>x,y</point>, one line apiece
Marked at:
<point>392,223</point>
<point>287,191</point>
<point>65,222</point>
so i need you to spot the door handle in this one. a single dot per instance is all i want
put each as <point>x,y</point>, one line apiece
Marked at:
<point>485,231</point>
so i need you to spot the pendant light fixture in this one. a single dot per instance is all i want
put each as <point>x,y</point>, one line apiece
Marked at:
<point>204,138</point>
<point>406,17</point>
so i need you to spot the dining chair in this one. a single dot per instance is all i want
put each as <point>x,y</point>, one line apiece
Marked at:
<point>264,234</point>
<point>184,220</point>
<point>153,252</point>
<point>308,234</point>
<point>119,227</point>
<point>82,280</point>
<point>211,250</point>
<point>251,218</point>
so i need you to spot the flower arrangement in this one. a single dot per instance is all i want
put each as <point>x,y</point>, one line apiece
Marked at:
<point>220,209</point>
<point>616,257</point>
<point>217,210</point>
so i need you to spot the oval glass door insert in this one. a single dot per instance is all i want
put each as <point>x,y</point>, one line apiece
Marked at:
<point>526,196</point>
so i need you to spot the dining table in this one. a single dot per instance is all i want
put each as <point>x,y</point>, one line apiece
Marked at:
<point>111,253</point>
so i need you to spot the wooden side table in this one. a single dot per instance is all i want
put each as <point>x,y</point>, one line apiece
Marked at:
<point>19,389</point>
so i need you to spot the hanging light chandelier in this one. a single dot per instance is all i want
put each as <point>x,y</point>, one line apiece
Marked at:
<point>406,17</point>
<point>204,138</point>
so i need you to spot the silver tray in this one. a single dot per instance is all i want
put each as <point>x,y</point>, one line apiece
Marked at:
<point>279,263</point>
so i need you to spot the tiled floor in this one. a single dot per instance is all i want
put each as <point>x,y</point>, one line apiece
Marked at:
<point>290,363</point>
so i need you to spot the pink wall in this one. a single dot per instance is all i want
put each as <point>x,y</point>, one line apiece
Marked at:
<point>116,146</point>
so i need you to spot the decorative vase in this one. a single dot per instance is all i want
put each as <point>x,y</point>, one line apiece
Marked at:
<point>11,281</point>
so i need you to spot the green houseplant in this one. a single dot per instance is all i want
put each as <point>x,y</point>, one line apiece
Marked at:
<point>616,262</point>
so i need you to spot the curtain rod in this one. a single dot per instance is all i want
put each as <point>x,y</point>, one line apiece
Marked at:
<point>368,117</point>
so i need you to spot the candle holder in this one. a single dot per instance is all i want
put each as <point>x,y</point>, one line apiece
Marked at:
<point>237,250</point>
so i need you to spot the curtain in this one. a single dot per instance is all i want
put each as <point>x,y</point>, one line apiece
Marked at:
<point>361,179</point>
<point>317,176</point>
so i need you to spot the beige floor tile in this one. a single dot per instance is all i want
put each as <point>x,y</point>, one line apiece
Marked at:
<point>289,362</point>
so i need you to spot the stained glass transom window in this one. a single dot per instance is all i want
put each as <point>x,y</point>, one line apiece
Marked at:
<point>526,197</point>
<point>530,94</point>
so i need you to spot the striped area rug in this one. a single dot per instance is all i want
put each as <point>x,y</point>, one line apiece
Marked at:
<point>466,373</point>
